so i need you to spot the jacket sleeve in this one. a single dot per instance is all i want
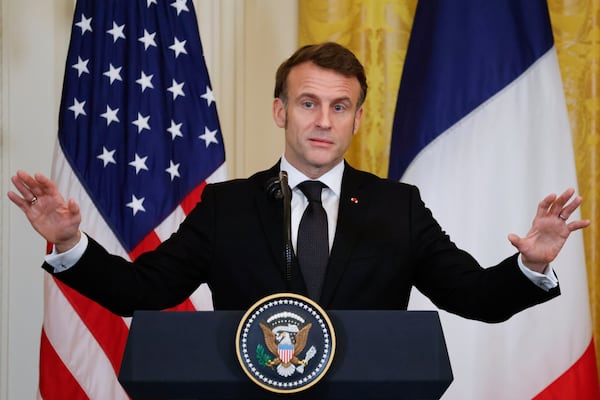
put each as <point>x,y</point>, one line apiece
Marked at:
<point>454,281</point>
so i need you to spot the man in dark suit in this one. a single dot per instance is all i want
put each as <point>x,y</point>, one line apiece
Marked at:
<point>380,237</point>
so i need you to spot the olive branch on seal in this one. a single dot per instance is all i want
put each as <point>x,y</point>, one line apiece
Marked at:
<point>262,356</point>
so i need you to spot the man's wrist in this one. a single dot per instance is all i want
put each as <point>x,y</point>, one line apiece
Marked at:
<point>65,246</point>
<point>63,261</point>
<point>546,279</point>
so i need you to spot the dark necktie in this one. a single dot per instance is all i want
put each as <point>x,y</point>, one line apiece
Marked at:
<point>313,242</point>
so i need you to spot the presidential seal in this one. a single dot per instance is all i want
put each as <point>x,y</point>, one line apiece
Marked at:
<point>285,343</point>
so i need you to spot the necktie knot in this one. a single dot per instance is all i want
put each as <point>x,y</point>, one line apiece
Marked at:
<point>312,190</point>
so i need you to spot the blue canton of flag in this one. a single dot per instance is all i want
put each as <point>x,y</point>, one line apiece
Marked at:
<point>138,120</point>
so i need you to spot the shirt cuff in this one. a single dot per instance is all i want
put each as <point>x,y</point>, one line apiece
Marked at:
<point>63,261</point>
<point>546,280</point>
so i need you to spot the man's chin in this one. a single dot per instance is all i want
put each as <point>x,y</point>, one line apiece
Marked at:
<point>322,165</point>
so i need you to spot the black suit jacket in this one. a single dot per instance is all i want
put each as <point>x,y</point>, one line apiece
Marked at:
<point>386,242</point>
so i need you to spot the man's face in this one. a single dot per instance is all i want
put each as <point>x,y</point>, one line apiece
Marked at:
<point>320,118</point>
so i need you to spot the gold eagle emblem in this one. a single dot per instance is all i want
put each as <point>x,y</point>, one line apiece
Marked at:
<point>286,349</point>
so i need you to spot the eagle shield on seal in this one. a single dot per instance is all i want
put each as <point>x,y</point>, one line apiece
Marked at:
<point>287,343</point>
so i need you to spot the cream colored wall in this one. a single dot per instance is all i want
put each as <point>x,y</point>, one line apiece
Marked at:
<point>255,36</point>
<point>244,41</point>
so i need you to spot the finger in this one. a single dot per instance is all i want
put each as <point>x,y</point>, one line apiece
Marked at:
<point>18,200</point>
<point>46,185</point>
<point>22,187</point>
<point>29,183</point>
<point>545,205</point>
<point>73,207</point>
<point>37,184</point>
<point>515,240</point>
<point>576,225</point>
<point>570,208</point>
<point>557,206</point>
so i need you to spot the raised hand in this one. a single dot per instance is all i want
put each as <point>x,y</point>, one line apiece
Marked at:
<point>50,215</point>
<point>549,231</point>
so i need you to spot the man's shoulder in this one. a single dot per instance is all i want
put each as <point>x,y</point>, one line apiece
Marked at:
<point>255,182</point>
<point>363,178</point>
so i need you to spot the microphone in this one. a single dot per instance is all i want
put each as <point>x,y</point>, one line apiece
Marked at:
<point>273,188</point>
<point>278,188</point>
<point>288,249</point>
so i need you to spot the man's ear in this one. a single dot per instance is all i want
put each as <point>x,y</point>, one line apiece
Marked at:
<point>357,119</point>
<point>279,112</point>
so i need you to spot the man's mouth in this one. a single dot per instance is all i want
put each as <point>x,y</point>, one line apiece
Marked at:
<point>320,141</point>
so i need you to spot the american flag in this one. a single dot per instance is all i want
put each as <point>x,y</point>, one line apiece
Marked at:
<point>139,138</point>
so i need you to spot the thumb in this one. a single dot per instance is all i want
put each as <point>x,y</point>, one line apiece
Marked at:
<point>73,207</point>
<point>515,240</point>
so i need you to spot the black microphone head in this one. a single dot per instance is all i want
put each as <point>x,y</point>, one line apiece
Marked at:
<point>273,188</point>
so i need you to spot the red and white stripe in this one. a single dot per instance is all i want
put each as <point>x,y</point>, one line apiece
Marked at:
<point>82,343</point>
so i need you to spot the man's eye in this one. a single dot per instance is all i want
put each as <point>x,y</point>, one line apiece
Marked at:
<point>339,107</point>
<point>308,104</point>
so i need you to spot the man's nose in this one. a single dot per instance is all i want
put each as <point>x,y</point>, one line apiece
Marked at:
<point>324,119</point>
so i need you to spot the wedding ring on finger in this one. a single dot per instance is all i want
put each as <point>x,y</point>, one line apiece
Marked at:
<point>33,201</point>
<point>562,217</point>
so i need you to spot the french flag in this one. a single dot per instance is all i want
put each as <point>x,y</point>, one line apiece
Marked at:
<point>481,128</point>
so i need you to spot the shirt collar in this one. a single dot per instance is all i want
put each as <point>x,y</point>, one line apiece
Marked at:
<point>332,178</point>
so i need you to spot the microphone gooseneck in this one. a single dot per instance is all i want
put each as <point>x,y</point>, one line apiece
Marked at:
<point>277,187</point>
<point>288,249</point>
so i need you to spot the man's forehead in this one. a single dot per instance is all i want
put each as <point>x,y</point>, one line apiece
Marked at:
<point>309,78</point>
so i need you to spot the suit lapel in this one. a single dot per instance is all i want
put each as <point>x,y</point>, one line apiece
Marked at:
<point>351,215</point>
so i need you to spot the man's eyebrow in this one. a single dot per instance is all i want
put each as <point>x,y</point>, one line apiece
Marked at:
<point>307,94</point>
<point>342,99</point>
